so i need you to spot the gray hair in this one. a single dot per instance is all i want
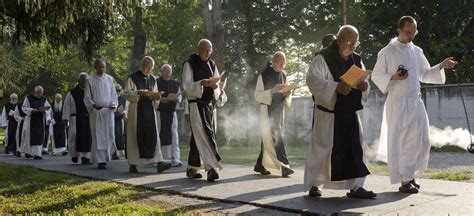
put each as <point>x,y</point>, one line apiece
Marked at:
<point>204,41</point>
<point>58,95</point>
<point>346,30</point>
<point>82,74</point>
<point>118,87</point>
<point>166,65</point>
<point>147,60</point>
<point>13,95</point>
<point>37,88</point>
<point>278,55</point>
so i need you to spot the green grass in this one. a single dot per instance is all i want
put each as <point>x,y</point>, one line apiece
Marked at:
<point>463,175</point>
<point>447,148</point>
<point>25,189</point>
<point>2,135</point>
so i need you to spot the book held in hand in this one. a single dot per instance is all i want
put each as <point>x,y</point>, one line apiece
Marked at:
<point>354,76</point>
<point>288,87</point>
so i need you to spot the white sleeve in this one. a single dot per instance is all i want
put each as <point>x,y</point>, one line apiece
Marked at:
<point>365,94</point>
<point>26,107</point>
<point>113,93</point>
<point>321,83</point>
<point>130,92</point>
<point>67,106</point>
<point>3,119</point>
<point>193,89</point>
<point>433,75</point>
<point>125,109</point>
<point>88,96</point>
<point>262,95</point>
<point>380,74</point>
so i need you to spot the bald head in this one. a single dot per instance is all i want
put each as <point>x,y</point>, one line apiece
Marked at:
<point>278,61</point>
<point>347,40</point>
<point>346,31</point>
<point>204,49</point>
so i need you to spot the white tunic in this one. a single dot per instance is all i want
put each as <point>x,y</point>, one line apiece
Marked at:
<point>100,91</point>
<point>133,154</point>
<point>318,159</point>
<point>69,108</point>
<point>35,150</point>
<point>404,141</point>
<point>264,97</point>
<point>194,90</point>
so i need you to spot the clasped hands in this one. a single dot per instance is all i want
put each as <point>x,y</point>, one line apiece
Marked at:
<point>280,88</point>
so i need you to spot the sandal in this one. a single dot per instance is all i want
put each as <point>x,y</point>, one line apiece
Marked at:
<point>361,193</point>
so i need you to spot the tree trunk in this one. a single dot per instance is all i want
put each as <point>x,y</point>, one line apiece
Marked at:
<point>215,30</point>
<point>139,41</point>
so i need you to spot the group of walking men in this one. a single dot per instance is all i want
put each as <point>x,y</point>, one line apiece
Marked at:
<point>335,157</point>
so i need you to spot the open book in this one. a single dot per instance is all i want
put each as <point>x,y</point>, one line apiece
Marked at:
<point>288,87</point>
<point>354,76</point>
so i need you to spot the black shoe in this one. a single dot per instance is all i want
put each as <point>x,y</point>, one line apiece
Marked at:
<point>285,172</point>
<point>315,192</point>
<point>28,156</point>
<point>162,166</point>
<point>361,193</point>
<point>415,183</point>
<point>132,169</point>
<point>408,188</point>
<point>101,165</point>
<point>262,171</point>
<point>85,161</point>
<point>192,173</point>
<point>45,152</point>
<point>212,175</point>
<point>18,154</point>
<point>115,157</point>
<point>74,159</point>
<point>7,152</point>
<point>64,153</point>
<point>37,158</point>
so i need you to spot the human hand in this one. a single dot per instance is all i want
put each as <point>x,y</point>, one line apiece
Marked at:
<point>343,88</point>
<point>97,107</point>
<point>448,63</point>
<point>276,88</point>
<point>363,86</point>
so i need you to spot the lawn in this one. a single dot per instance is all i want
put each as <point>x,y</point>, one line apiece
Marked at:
<point>42,192</point>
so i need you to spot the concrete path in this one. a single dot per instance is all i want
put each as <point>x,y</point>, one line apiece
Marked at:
<point>239,184</point>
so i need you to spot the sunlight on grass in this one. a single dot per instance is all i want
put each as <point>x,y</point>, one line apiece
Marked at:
<point>42,192</point>
<point>463,175</point>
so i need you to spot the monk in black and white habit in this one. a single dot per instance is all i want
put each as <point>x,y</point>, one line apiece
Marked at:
<point>167,117</point>
<point>101,101</point>
<point>143,143</point>
<point>335,157</point>
<point>10,124</point>
<point>273,98</point>
<point>204,94</point>
<point>59,132</point>
<point>35,107</point>
<point>120,116</point>
<point>20,118</point>
<point>76,119</point>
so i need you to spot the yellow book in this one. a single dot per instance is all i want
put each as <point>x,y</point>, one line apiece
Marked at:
<point>354,76</point>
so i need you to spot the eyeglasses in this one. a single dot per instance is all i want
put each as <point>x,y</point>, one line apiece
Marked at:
<point>409,33</point>
<point>353,43</point>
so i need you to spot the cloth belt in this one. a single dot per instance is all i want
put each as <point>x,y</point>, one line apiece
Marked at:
<point>210,103</point>
<point>324,109</point>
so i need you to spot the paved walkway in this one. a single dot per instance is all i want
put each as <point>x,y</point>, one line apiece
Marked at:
<point>238,184</point>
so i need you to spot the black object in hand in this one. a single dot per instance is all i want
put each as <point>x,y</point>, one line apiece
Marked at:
<point>403,70</point>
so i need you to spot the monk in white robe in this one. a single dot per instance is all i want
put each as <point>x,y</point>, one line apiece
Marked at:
<point>166,115</point>
<point>273,99</point>
<point>335,158</point>
<point>143,143</point>
<point>404,141</point>
<point>101,101</point>
<point>35,107</point>
<point>203,95</point>
<point>76,119</point>
<point>10,124</point>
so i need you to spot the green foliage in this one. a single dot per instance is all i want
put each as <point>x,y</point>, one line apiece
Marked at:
<point>42,192</point>
<point>448,148</point>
